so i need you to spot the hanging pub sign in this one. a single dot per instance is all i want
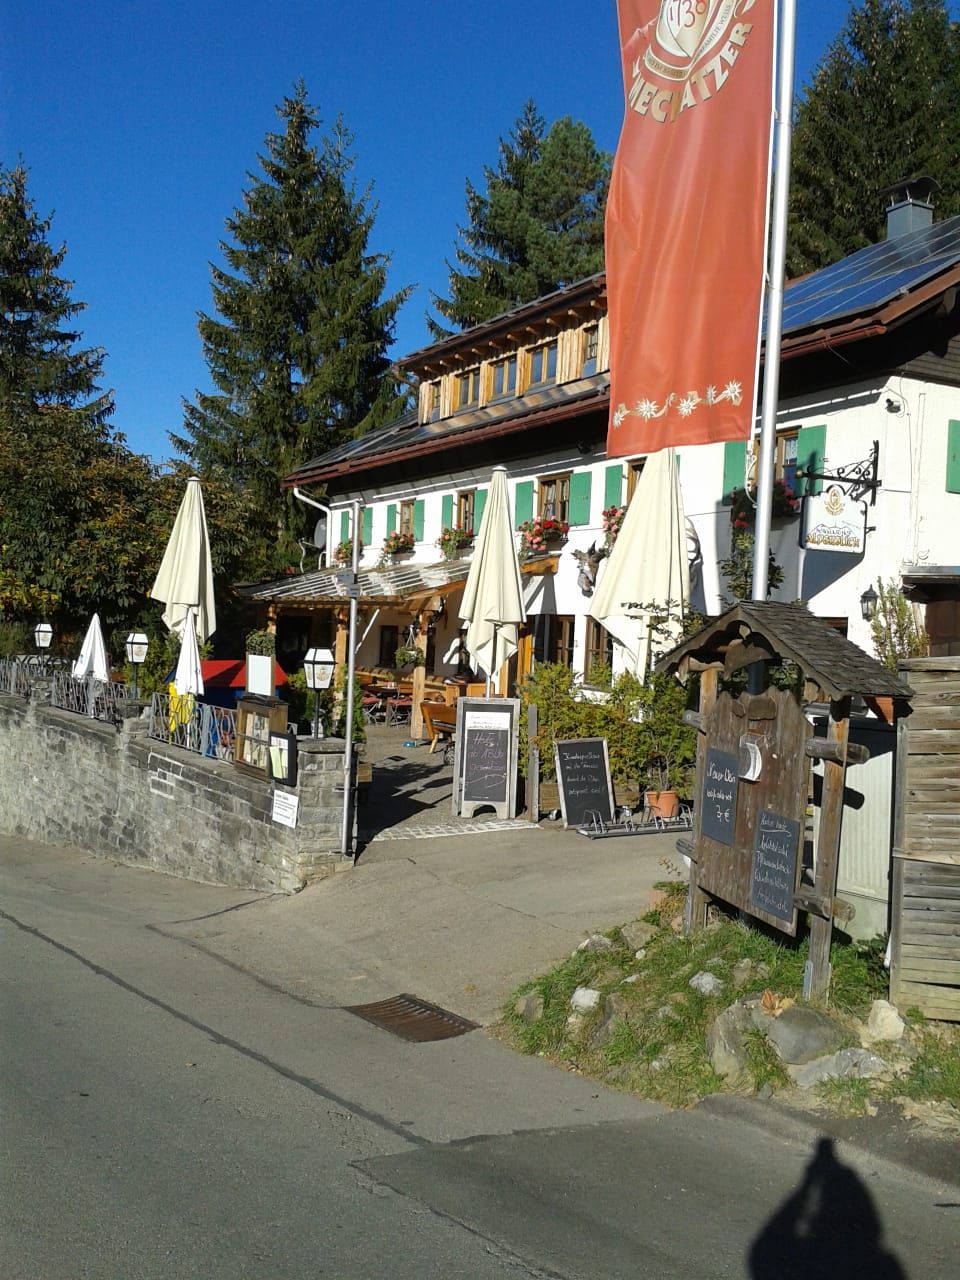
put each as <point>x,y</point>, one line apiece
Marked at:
<point>834,522</point>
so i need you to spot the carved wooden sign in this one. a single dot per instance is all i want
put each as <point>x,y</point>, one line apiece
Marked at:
<point>750,832</point>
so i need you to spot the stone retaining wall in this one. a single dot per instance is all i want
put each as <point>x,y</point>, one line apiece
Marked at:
<point>66,779</point>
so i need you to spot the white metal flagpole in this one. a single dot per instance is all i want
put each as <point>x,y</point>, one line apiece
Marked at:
<point>776,267</point>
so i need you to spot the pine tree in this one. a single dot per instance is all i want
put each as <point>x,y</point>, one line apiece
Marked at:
<point>884,105</point>
<point>538,225</point>
<point>299,355</point>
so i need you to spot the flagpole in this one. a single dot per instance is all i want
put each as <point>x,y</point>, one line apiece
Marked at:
<point>777,266</point>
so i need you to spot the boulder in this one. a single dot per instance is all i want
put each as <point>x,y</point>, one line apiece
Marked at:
<point>801,1034</point>
<point>848,1064</point>
<point>529,1007</point>
<point>742,973</point>
<point>708,984</point>
<point>638,933</point>
<point>726,1045</point>
<point>584,999</point>
<point>596,942</point>
<point>884,1022</point>
<point>614,1006</point>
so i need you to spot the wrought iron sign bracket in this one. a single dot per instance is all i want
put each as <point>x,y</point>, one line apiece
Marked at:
<point>859,478</point>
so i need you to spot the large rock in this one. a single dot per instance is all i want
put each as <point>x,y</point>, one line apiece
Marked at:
<point>848,1064</point>
<point>596,942</point>
<point>726,1045</point>
<point>614,1006</point>
<point>584,999</point>
<point>638,933</point>
<point>529,1007</point>
<point>801,1034</point>
<point>884,1022</point>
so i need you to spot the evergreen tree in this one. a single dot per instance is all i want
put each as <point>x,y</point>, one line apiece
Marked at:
<point>299,355</point>
<point>884,105</point>
<point>538,225</point>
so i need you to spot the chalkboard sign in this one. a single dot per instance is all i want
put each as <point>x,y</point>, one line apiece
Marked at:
<point>583,780</point>
<point>485,763</point>
<point>774,876</point>
<point>718,808</point>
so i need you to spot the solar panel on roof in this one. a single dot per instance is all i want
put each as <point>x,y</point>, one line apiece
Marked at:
<point>872,276</point>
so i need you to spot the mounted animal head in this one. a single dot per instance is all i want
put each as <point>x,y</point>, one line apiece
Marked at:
<point>589,562</point>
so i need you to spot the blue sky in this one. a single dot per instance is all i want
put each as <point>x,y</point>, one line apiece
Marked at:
<point>140,121</point>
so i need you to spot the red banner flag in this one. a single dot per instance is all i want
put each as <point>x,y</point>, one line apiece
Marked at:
<point>686,217</point>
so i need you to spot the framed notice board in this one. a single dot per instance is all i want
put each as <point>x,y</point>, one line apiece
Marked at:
<point>485,758</point>
<point>773,878</point>
<point>583,779</point>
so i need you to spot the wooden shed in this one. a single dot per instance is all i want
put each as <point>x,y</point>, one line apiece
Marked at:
<point>749,817</point>
<point>925,898</point>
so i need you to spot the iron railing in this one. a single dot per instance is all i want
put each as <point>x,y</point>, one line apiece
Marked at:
<point>15,677</point>
<point>88,696</point>
<point>181,721</point>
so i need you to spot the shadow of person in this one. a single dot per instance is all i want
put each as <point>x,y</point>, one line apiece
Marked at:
<point>828,1229</point>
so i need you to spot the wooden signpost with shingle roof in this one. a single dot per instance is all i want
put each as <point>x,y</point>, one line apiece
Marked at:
<point>753,766</point>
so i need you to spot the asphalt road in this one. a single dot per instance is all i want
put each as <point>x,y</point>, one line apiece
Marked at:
<point>166,1114</point>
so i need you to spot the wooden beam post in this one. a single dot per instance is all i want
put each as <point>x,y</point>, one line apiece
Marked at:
<point>340,642</point>
<point>696,912</point>
<point>816,981</point>
<point>533,765</point>
<point>272,619</point>
<point>419,684</point>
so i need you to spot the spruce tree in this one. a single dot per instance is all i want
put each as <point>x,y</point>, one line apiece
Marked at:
<point>884,105</point>
<point>298,355</point>
<point>537,226</point>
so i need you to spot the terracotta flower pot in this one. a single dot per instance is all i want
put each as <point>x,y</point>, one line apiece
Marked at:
<point>668,804</point>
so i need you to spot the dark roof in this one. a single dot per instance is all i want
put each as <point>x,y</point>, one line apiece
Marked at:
<point>794,634</point>
<point>393,583</point>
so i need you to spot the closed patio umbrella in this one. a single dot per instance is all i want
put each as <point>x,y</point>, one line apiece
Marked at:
<point>185,579</point>
<point>647,568</point>
<point>92,659</point>
<point>492,604</point>
<point>188,678</point>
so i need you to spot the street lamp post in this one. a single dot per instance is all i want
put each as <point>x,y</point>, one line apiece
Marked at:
<point>868,604</point>
<point>42,636</point>
<point>318,665</point>
<point>137,645</point>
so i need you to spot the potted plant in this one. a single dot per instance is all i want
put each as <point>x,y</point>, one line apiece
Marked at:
<point>743,504</point>
<point>541,533</point>
<point>408,655</point>
<point>395,544</point>
<point>668,744</point>
<point>343,555</point>
<point>452,541</point>
<point>612,524</point>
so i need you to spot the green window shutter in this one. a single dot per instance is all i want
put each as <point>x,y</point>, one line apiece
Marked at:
<point>612,486</point>
<point>811,448</point>
<point>367,534</point>
<point>344,525</point>
<point>580,486</point>
<point>418,520</point>
<point>734,466</point>
<point>446,511</point>
<point>479,502</point>
<point>391,518</point>
<point>953,457</point>
<point>523,503</point>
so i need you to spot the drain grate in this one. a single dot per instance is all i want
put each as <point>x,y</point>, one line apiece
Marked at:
<point>413,1019</point>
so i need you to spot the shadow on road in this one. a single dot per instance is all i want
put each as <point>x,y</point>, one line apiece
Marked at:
<point>828,1229</point>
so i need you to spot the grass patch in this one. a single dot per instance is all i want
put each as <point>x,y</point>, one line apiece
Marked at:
<point>648,1034</point>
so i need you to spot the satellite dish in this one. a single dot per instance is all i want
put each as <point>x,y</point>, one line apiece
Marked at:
<point>320,533</point>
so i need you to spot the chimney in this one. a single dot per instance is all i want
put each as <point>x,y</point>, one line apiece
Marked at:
<point>911,205</point>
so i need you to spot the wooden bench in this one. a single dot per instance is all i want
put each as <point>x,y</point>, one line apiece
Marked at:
<point>439,720</point>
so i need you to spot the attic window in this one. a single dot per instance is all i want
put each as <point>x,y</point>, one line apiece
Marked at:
<point>543,364</point>
<point>433,401</point>
<point>468,388</point>
<point>590,346</point>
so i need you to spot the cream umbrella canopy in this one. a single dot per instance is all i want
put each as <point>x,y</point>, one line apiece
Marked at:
<point>492,603</point>
<point>92,659</point>
<point>185,579</point>
<point>188,677</point>
<point>648,564</point>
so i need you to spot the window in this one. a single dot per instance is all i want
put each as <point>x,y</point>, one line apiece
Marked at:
<point>543,364</point>
<point>553,638</point>
<point>590,347</point>
<point>465,509</point>
<point>468,388</point>
<point>407,518</point>
<point>634,470</point>
<point>599,647</point>
<point>503,378</point>
<point>433,401</point>
<point>554,498</point>
<point>389,643</point>
<point>787,459</point>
